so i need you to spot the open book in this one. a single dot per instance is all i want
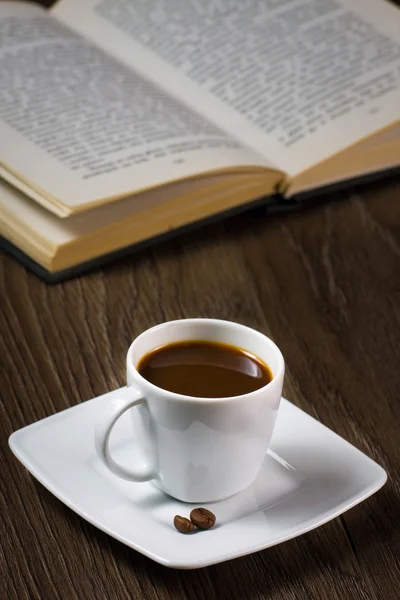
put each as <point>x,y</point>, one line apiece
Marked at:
<point>121,120</point>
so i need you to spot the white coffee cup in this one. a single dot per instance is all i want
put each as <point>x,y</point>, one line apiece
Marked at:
<point>203,449</point>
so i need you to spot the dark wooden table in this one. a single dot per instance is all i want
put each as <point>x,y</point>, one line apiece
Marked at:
<point>325,284</point>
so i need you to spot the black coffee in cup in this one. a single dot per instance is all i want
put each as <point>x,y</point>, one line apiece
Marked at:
<point>204,369</point>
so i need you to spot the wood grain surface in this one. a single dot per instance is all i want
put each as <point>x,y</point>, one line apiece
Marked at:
<point>324,283</point>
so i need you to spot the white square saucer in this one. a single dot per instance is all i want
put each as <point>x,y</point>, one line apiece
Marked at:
<point>310,475</point>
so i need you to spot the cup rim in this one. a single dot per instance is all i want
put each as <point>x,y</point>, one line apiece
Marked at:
<point>199,399</point>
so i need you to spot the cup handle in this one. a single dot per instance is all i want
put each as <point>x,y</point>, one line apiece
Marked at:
<point>127,399</point>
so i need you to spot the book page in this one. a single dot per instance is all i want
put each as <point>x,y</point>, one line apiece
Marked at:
<point>60,243</point>
<point>77,126</point>
<point>299,80</point>
<point>57,232</point>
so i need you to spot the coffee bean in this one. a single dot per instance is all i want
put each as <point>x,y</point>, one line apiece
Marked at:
<point>202,518</point>
<point>182,524</point>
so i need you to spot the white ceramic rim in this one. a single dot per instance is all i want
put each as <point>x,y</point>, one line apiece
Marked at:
<point>175,396</point>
